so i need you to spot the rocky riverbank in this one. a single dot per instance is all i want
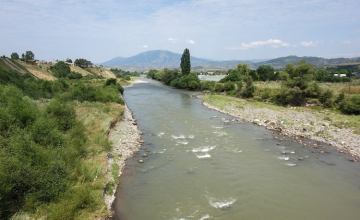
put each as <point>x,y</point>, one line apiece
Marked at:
<point>126,141</point>
<point>294,123</point>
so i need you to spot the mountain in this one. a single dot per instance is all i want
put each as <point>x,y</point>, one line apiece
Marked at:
<point>281,62</point>
<point>159,59</point>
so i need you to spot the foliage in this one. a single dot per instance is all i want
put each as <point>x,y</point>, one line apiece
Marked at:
<point>60,69</point>
<point>185,64</point>
<point>151,74</point>
<point>15,56</point>
<point>328,94</point>
<point>265,72</point>
<point>208,85</point>
<point>190,81</point>
<point>228,86</point>
<point>29,55</point>
<point>74,75</point>
<point>113,82</point>
<point>128,78</point>
<point>351,106</point>
<point>250,87</point>
<point>236,74</point>
<point>83,63</point>
<point>39,148</point>
<point>68,60</point>
<point>282,75</point>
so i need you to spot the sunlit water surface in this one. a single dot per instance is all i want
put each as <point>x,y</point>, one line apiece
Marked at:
<point>198,168</point>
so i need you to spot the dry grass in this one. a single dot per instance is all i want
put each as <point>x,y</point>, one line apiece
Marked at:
<point>38,71</point>
<point>353,90</point>
<point>79,70</point>
<point>101,71</point>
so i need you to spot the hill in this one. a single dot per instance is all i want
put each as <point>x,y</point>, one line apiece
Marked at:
<point>281,62</point>
<point>159,59</point>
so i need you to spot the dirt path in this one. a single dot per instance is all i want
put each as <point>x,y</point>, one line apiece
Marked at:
<point>13,66</point>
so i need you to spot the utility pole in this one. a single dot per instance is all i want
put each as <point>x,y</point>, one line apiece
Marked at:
<point>349,73</point>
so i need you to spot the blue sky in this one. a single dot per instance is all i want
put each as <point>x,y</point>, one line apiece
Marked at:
<point>99,30</point>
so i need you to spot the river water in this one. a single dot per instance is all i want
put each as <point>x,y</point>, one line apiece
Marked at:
<point>198,168</point>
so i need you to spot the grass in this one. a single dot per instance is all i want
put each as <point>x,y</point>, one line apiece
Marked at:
<point>334,117</point>
<point>79,70</point>
<point>85,199</point>
<point>37,71</point>
<point>101,71</point>
<point>4,66</point>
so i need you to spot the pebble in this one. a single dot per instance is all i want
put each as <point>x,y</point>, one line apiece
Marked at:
<point>141,161</point>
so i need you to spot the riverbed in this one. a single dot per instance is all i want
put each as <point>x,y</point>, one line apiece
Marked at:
<point>197,167</point>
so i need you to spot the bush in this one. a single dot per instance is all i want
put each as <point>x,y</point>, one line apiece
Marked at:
<point>60,69</point>
<point>266,93</point>
<point>128,78</point>
<point>74,75</point>
<point>313,91</point>
<point>328,94</point>
<point>208,85</point>
<point>351,106</point>
<point>340,98</point>
<point>219,87</point>
<point>229,86</point>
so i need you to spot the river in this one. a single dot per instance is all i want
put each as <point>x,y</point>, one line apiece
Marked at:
<point>199,168</point>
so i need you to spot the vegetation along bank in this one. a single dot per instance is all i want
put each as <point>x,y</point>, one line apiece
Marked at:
<point>64,136</point>
<point>298,101</point>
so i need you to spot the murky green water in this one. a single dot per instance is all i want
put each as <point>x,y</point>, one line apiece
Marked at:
<point>199,169</point>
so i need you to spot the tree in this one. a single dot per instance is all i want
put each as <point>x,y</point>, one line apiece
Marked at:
<point>83,63</point>
<point>15,56</point>
<point>265,72</point>
<point>29,55</point>
<point>185,64</point>
<point>61,69</point>
<point>68,60</point>
<point>22,56</point>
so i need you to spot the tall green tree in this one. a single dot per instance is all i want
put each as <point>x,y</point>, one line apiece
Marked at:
<point>15,56</point>
<point>265,72</point>
<point>185,64</point>
<point>29,55</point>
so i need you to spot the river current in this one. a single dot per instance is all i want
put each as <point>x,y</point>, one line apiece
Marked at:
<point>199,168</point>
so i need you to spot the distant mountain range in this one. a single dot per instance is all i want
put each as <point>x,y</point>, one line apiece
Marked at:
<point>159,59</point>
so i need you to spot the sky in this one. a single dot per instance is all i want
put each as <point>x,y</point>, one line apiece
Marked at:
<point>99,30</point>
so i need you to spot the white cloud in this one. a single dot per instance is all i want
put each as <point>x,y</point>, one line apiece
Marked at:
<point>145,46</point>
<point>273,43</point>
<point>173,40</point>
<point>346,42</point>
<point>308,44</point>
<point>190,41</point>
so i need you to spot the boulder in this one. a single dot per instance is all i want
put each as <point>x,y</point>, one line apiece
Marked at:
<point>141,161</point>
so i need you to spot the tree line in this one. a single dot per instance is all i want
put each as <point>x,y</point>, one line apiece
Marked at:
<point>298,84</point>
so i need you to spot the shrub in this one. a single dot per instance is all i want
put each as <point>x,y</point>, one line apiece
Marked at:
<point>351,106</point>
<point>128,78</point>
<point>74,75</point>
<point>219,87</point>
<point>313,90</point>
<point>229,86</point>
<point>328,94</point>
<point>266,93</point>
<point>340,98</point>
<point>60,69</point>
<point>208,85</point>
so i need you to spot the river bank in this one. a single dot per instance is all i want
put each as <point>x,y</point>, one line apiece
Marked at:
<point>295,122</point>
<point>125,138</point>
